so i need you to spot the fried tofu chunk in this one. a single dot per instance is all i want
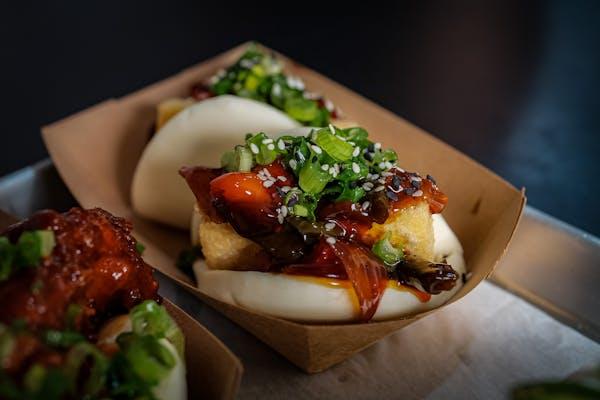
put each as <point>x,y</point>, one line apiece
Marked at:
<point>224,248</point>
<point>410,228</point>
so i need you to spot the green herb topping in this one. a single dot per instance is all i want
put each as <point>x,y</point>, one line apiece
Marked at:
<point>259,76</point>
<point>340,164</point>
<point>30,249</point>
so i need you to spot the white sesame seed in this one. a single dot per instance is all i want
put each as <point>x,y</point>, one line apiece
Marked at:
<point>332,129</point>
<point>381,165</point>
<point>325,167</point>
<point>330,225</point>
<point>367,186</point>
<point>375,176</point>
<point>356,152</point>
<point>330,240</point>
<point>280,218</point>
<point>281,145</point>
<point>282,178</point>
<point>416,178</point>
<point>386,174</point>
<point>285,189</point>
<point>353,207</point>
<point>276,90</point>
<point>328,105</point>
<point>249,193</point>
<point>355,168</point>
<point>331,170</point>
<point>366,205</point>
<point>388,165</point>
<point>300,156</point>
<point>316,149</point>
<point>267,141</point>
<point>265,171</point>
<point>284,211</point>
<point>378,188</point>
<point>418,193</point>
<point>293,164</point>
<point>352,144</point>
<point>271,146</point>
<point>254,148</point>
<point>377,146</point>
<point>268,184</point>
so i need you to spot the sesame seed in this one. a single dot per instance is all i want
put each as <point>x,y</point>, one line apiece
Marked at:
<point>280,218</point>
<point>386,173</point>
<point>416,178</point>
<point>375,177</point>
<point>382,181</point>
<point>355,168</point>
<point>330,225</point>
<point>254,148</point>
<point>271,146</point>
<point>352,144</point>
<point>343,139</point>
<point>276,90</point>
<point>366,205</point>
<point>388,165</point>
<point>300,156</point>
<point>431,179</point>
<point>418,193</point>
<point>249,193</point>
<point>285,189</point>
<point>353,207</point>
<point>281,145</point>
<point>325,167</point>
<point>330,240</point>
<point>328,105</point>
<point>282,178</point>
<point>316,149</point>
<point>284,211</point>
<point>332,129</point>
<point>268,184</point>
<point>379,188</point>
<point>267,141</point>
<point>293,164</point>
<point>377,146</point>
<point>266,172</point>
<point>367,186</point>
<point>356,152</point>
<point>381,165</point>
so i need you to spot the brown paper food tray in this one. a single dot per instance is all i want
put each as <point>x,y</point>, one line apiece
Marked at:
<point>213,372</point>
<point>96,152</point>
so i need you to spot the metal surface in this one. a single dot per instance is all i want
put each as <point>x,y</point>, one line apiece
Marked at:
<point>479,347</point>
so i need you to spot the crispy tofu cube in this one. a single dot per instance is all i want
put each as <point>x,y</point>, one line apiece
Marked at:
<point>223,248</point>
<point>410,228</point>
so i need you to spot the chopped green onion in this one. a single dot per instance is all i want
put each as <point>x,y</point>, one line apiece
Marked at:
<point>32,246</point>
<point>389,254</point>
<point>300,210</point>
<point>352,194</point>
<point>301,109</point>
<point>62,339</point>
<point>264,153</point>
<point>94,375</point>
<point>332,145</point>
<point>34,378</point>
<point>139,247</point>
<point>149,359</point>
<point>312,179</point>
<point>150,318</point>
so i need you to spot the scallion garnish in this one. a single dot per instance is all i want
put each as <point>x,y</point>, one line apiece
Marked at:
<point>387,252</point>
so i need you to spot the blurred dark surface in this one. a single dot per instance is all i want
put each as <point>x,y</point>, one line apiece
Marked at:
<point>512,84</point>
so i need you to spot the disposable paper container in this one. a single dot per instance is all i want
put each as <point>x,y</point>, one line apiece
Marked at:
<point>96,152</point>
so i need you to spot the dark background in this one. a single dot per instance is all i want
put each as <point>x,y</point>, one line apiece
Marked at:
<point>514,84</point>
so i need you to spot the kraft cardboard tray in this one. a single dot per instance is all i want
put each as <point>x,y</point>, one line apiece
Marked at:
<point>96,152</point>
<point>213,372</point>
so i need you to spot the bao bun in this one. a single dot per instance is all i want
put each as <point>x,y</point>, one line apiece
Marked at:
<point>198,135</point>
<point>316,299</point>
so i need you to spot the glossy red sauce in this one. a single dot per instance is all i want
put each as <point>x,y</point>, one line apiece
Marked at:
<point>94,265</point>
